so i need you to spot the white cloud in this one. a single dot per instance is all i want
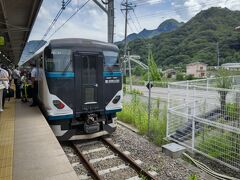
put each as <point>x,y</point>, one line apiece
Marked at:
<point>91,21</point>
<point>154,1</point>
<point>43,13</point>
<point>195,6</point>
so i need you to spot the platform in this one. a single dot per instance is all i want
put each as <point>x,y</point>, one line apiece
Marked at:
<point>28,148</point>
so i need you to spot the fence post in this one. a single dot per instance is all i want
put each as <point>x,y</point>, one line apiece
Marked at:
<point>206,97</point>
<point>168,106</point>
<point>193,118</point>
<point>187,94</point>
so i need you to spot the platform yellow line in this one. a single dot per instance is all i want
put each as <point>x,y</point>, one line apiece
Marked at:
<point>7,119</point>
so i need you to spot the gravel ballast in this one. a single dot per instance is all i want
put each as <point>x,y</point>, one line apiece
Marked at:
<point>140,149</point>
<point>152,157</point>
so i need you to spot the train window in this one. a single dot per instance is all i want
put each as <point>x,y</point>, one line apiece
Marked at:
<point>111,62</point>
<point>59,61</point>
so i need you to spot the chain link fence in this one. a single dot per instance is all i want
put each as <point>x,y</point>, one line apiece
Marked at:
<point>204,115</point>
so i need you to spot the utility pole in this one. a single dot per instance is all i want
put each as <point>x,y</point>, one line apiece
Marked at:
<point>218,60</point>
<point>109,10</point>
<point>127,7</point>
<point>130,71</point>
<point>135,59</point>
<point>110,20</point>
<point>149,90</point>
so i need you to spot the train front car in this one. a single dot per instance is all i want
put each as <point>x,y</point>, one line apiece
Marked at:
<point>83,89</point>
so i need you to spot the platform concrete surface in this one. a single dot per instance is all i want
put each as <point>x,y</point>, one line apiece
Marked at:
<point>37,153</point>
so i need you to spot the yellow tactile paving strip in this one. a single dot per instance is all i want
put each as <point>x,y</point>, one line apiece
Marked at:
<point>7,119</point>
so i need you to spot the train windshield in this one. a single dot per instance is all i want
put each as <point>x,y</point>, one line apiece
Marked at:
<point>59,60</point>
<point>111,62</point>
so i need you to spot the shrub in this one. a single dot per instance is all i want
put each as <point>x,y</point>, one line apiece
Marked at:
<point>179,77</point>
<point>136,113</point>
<point>189,77</point>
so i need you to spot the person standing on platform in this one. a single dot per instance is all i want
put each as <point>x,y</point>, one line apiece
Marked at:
<point>24,87</point>
<point>17,81</point>
<point>34,79</point>
<point>6,84</point>
<point>10,76</point>
<point>3,80</point>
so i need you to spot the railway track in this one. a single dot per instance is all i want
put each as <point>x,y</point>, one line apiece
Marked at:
<point>104,160</point>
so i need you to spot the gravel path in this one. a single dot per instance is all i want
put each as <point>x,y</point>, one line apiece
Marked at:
<point>153,158</point>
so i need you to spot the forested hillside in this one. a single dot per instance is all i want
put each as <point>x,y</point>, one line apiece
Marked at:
<point>166,26</point>
<point>196,40</point>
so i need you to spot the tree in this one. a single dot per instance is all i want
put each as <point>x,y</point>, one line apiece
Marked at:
<point>138,70</point>
<point>155,75</point>
<point>179,77</point>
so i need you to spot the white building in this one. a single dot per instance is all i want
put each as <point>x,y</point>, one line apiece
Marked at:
<point>231,66</point>
<point>197,69</point>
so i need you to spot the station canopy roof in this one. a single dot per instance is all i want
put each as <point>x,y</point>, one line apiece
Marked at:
<point>16,21</point>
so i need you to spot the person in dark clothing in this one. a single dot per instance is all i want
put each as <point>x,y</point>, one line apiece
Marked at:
<point>17,81</point>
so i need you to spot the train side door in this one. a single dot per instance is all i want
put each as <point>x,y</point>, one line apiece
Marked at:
<point>88,83</point>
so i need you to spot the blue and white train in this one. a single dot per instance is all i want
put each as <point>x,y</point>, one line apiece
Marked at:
<point>79,87</point>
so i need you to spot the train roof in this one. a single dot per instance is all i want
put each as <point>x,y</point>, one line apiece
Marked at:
<point>75,42</point>
<point>79,42</point>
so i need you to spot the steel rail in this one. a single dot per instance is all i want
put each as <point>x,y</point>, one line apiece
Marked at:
<point>128,159</point>
<point>88,165</point>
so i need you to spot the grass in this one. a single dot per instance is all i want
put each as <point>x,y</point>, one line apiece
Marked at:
<point>222,145</point>
<point>192,177</point>
<point>135,112</point>
<point>134,91</point>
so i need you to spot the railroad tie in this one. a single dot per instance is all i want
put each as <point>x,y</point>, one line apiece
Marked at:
<point>94,150</point>
<point>109,170</point>
<point>102,159</point>
<point>134,178</point>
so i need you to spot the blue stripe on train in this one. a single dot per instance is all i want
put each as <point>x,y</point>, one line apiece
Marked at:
<point>60,74</point>
<point>72,75</point>
<point>60,117</point>
<point>112,74</point>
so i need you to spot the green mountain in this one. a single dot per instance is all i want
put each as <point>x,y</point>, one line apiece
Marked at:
<point>166,26</point>
<point>196,40</point>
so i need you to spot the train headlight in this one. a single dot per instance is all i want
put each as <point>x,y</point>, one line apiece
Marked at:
<point>58,104</point>
<point>116,99</point>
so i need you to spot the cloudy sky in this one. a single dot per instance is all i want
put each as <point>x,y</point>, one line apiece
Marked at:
<point>91,22</point>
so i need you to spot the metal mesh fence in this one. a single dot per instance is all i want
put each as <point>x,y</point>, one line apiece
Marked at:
<point>206,117</point>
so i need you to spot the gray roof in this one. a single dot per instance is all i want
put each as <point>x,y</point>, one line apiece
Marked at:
<point>195,63</point>
<point>231,65</point>
<point>79,42</point>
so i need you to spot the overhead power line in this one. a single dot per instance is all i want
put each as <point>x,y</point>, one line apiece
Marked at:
<point>139,37</point>
<point>137,19</point>
<point>136,28</point>
<point>64,5</point>
<point>68,19</point>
